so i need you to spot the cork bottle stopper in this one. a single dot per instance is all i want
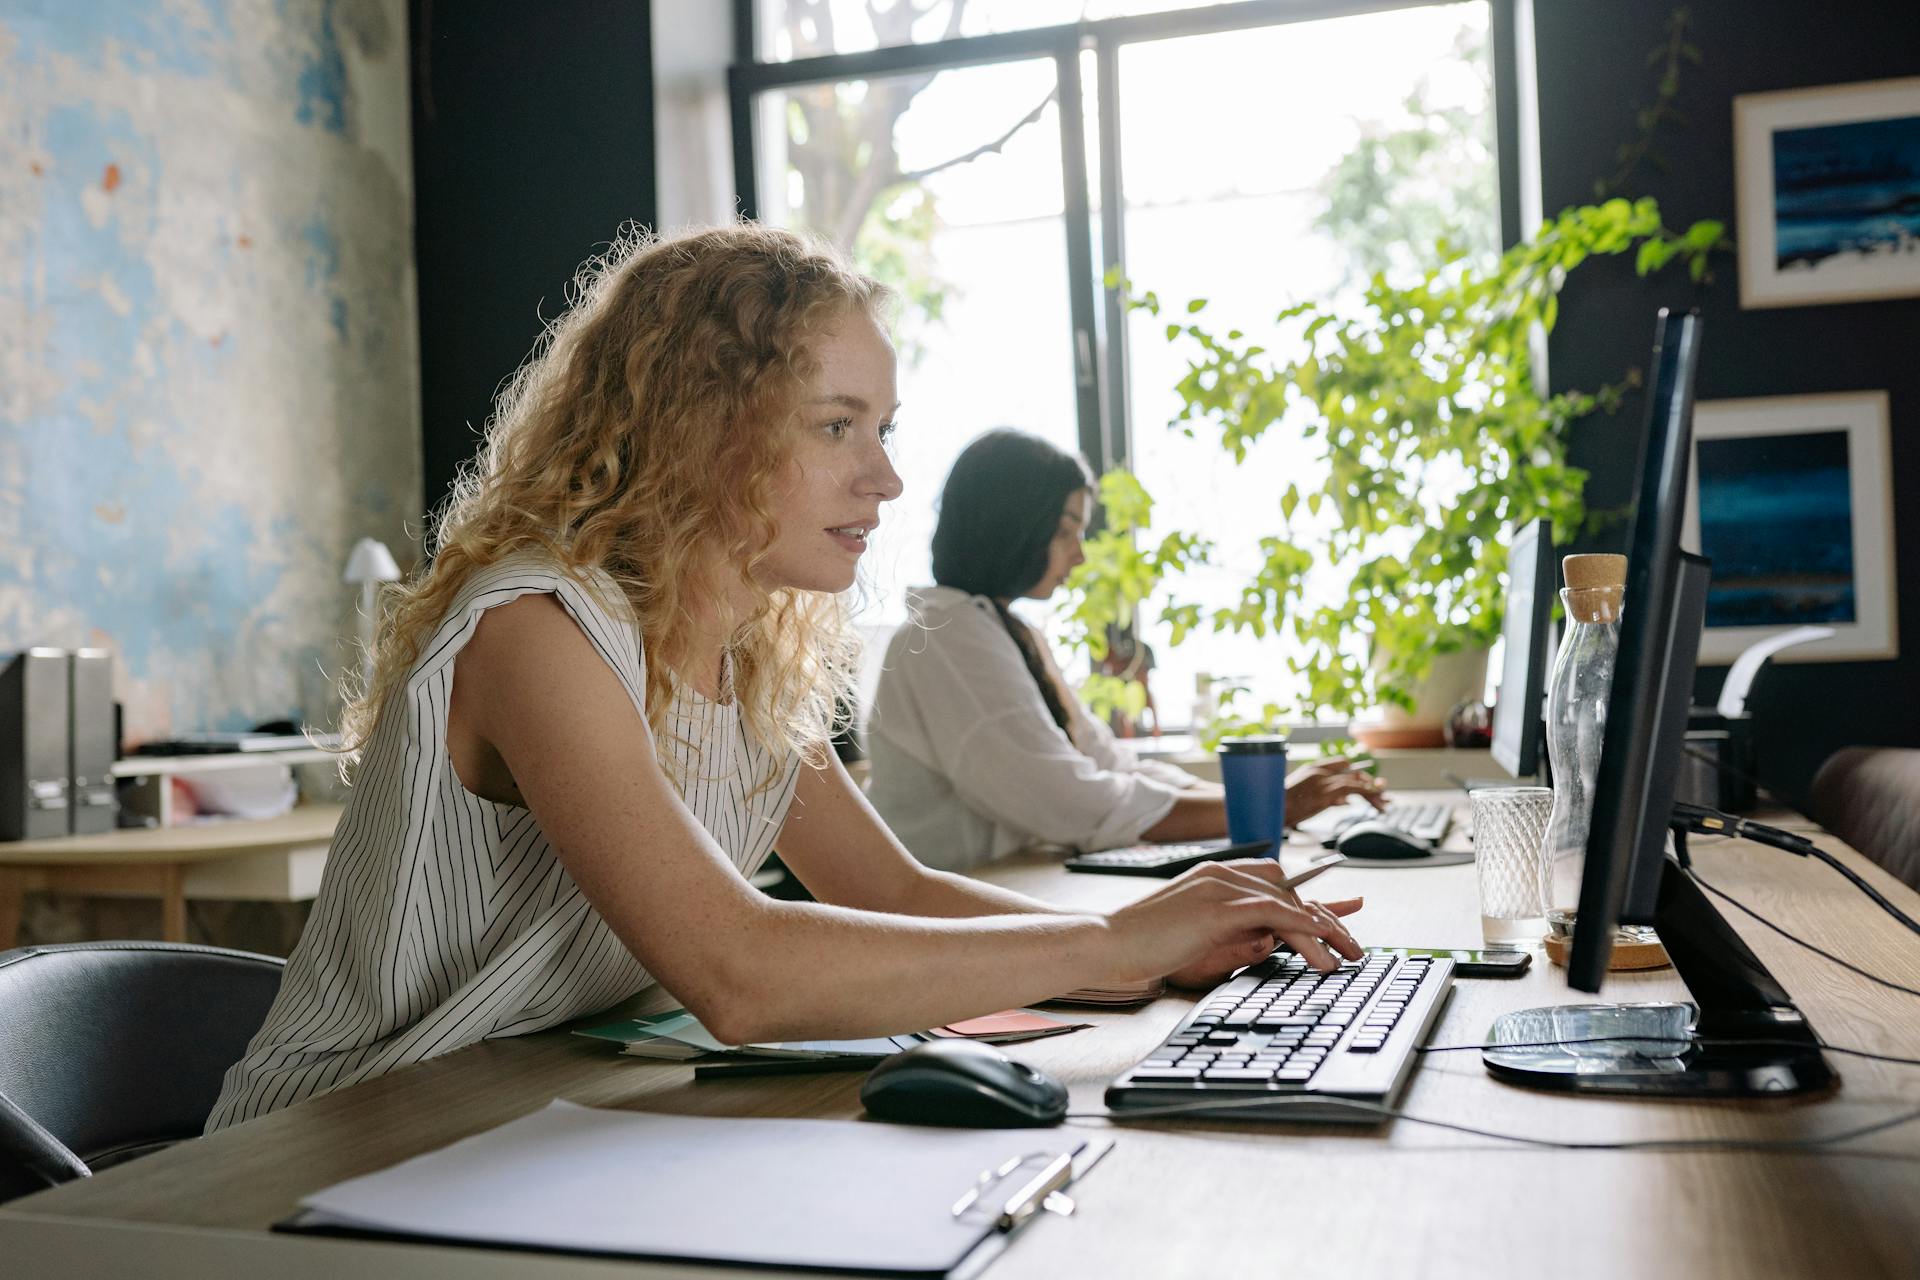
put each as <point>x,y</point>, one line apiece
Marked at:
<point>1596,585</point>
<point>1581,572</point>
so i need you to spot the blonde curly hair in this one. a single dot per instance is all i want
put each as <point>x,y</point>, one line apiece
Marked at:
<point>642,437</point>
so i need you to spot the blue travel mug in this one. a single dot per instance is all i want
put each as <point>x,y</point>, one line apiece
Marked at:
<point>1254,772</point>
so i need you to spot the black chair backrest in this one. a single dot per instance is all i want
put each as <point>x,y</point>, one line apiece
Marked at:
<point>110,1049</point>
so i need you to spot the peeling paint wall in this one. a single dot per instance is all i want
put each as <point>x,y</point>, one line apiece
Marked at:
<point>208,370</point>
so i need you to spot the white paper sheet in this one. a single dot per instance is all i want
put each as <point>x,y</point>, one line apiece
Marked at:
<point>821,1193</point>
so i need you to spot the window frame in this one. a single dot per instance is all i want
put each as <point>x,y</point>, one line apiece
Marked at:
<point>1098,343</point>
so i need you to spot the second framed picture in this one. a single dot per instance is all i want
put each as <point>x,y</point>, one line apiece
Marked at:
<point>1791,497</point>
<point>1828,190</point>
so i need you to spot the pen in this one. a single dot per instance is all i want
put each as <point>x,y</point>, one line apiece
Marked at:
<point>1324,864</point>
<point>782,1066</point>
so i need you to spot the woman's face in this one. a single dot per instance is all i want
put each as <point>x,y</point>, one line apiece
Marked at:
<point>827,498</point>
<point>1064,552</point>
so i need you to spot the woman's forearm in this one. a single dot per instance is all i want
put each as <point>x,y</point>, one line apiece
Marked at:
<point>806,969</point>
<point>944,894</point>
<point>1199,813</point>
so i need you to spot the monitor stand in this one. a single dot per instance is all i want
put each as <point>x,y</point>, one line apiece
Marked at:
<point>1761,1044</point>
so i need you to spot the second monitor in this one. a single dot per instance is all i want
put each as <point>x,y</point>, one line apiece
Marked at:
<point>1526,637</point>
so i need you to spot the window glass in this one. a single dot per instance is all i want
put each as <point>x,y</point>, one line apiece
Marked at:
<point>948,187</point>
<point>1262,168</point>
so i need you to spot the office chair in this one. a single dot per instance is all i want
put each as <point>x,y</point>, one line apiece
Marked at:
<point>1870,797</point>
<point>109,1050</point>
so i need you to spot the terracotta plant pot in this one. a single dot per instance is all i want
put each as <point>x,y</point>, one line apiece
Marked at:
<point>1453,679</point>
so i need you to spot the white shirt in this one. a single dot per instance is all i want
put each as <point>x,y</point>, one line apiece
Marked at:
<point>968,764</point>
<point>444,919</point>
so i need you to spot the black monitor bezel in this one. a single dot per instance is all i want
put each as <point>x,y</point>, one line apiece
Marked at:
<point>1627,840</point>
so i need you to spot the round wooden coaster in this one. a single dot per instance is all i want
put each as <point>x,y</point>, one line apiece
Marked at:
<point>1626,955</point>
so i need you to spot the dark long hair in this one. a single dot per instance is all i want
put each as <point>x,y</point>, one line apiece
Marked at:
<point>999,511</point>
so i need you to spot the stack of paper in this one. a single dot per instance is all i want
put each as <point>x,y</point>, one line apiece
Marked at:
<point>1117,995</point>
<point>677,1035</point>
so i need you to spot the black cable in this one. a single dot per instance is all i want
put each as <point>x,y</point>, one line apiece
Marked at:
<point>1749,911</point>
<point>1712,822</point>
<point>1866,888</point>
<point>1551,1044</point>
<point>1394,1113</point>
<point>1707,1042</point>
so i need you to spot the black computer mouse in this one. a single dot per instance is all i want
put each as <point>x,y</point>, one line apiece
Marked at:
<point>962,1083</point>
<point>1377,840</point>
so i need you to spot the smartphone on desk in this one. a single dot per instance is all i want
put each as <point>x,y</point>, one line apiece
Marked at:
<point>1472,962</point>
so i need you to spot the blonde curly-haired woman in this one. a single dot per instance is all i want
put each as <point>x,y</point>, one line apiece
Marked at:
<point>610,696</point>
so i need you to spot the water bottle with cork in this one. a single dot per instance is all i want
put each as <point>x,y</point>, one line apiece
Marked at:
<point>1577,713</point>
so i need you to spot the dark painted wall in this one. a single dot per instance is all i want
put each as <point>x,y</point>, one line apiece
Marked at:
<point>532,144</point>
<point>1592,58</point>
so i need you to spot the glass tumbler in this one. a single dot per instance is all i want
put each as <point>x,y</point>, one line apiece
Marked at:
<point>1509,847</point>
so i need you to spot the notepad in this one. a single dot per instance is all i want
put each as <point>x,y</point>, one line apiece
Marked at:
<point>1011,1027</point>
<point>677,1035</point>
<point>834,1195</point>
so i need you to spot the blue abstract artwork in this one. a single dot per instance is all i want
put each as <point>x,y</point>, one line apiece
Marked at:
<point>1776,519</point>
<point>208,383</point>
<point>1846,190</point>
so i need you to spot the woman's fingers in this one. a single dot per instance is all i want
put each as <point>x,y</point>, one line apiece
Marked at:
<point>1335,933</point>
<point>1303,930</point>
<point>1312,950</point>
<point>1261,907</point>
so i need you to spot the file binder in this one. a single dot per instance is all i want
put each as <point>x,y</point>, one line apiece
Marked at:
<point>823,1194</point>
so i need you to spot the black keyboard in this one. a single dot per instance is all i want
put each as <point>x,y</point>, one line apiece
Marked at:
<point>1279,1028</point>
<point>1163,859</point>
<point>1428,821</point>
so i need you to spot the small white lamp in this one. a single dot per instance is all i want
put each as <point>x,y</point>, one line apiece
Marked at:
<point>370,565</point>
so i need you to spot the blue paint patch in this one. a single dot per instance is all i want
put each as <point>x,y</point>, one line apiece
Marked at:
<point>323,251</point>
<point>92,346</point>
<point>322,82</point>
<point>148,37</point>
<point>337,313</point>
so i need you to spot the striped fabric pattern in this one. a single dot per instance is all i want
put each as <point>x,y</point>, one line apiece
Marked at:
<point>444,919</point>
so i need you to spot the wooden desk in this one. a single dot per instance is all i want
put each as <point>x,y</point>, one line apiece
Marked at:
<point>273,859</point>
<point>1189,1198</point>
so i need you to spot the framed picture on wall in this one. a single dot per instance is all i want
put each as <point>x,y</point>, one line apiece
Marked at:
<point>1828,192</point>
<point>1792,499</point>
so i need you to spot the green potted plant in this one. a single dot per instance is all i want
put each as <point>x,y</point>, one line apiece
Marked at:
<point>1435,440</point>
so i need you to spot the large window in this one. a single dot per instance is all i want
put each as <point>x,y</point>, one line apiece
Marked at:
<point>992,160</point>
<point>948,186</point>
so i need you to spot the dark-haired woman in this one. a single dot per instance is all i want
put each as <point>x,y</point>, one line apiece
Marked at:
<point>979,746</point>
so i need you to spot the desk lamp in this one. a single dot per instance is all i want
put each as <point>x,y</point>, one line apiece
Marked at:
<point>370,565</point>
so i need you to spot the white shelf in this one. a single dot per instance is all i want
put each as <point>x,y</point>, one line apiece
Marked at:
<point>145,766</point>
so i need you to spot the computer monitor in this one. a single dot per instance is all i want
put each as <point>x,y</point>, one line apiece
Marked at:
<point>1742,1036</point>
<point>1527,643</point>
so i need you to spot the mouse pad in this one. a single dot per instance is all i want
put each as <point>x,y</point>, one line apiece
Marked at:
<point>1444,858</point>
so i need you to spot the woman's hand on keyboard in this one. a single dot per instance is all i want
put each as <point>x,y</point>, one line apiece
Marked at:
<point>1220,916</point>
<point>1325,783</point>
